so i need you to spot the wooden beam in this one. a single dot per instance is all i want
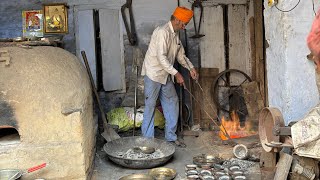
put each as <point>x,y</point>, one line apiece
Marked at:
<point>223,2</point>
<point>283,166</point>
<point>259,43</point>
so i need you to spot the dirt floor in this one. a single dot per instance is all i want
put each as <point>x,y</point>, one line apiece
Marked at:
<point>207,143</point>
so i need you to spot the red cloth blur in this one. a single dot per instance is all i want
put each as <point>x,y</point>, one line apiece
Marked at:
<point>313,39</point>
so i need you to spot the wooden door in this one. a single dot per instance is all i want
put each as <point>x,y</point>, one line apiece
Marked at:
<point>85,39</point>
<point>113,69</point>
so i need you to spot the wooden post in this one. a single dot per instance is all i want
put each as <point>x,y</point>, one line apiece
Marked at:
<point>283,166</point>
<point>259,50</point>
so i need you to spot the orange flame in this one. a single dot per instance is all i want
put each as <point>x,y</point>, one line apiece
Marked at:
<point>233,128</point>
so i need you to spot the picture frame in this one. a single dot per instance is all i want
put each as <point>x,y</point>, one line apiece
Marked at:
<point>55,18</point>
<point>32,23</point>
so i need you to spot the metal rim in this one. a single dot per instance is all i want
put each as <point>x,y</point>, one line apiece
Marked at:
<point>268,118</point>
<point>126,143</point>
<point>215,86</point>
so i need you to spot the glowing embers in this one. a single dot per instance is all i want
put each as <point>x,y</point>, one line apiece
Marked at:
<point>234,129</point>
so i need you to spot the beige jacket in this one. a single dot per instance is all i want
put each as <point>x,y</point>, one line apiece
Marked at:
<point>165,46</point>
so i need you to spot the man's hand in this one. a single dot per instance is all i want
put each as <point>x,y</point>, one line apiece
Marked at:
<point>179,79</point>
<point>194,74</point>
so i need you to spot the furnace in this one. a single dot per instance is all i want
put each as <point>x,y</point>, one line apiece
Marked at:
<point>46,113</point>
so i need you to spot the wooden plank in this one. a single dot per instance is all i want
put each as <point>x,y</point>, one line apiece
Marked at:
<point>259,43</point>
<point>206,77</point>
<point>113,70</point>
<point>212,44</point>
<point>253,99</point>
<point>253,48</point>
<point>218,2</point>
<point>268,160</point>
<point>238,50</point>
<point>283,167</point>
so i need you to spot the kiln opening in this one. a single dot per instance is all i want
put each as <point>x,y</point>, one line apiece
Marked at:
<point>9,136</point>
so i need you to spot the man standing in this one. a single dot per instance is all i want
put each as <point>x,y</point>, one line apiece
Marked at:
<point>158,71</point>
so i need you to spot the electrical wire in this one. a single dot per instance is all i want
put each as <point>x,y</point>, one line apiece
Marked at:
<point>313,8</point>
<point>290,9</point>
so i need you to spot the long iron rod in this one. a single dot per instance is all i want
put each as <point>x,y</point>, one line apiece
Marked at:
<point>224,129</point>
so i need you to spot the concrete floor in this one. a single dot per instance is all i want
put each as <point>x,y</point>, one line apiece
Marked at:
<point>206,143</point>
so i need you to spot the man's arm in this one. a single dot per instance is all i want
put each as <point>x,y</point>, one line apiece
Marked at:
<point>162,52</point>
<point>185,62</point>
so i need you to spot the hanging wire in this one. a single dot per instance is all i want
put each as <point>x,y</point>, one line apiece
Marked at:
<point>290,9</point>
<point>313,8</point>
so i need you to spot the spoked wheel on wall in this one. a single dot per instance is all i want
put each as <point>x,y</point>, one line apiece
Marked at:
<point>227,92</point>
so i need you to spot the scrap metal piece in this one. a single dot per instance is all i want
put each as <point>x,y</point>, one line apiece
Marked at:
<point>297,168</point>
<point>240,151</point>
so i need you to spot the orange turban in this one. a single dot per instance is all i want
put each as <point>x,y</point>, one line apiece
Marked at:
<point>183,14</point>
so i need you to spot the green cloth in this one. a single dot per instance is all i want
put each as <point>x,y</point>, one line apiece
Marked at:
<point>121,117</point>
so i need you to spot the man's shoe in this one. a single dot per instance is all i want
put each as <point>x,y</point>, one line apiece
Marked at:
<point>178,143</point>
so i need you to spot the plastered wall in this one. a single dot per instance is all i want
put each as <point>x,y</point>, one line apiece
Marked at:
<point>290,76</point>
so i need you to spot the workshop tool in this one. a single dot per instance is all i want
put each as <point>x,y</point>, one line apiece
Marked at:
<point>197,4</point>
<point>131,32</point>
<point>13,174</point>
<point>189,80</point>
<point>135,99</point>
<point>224,131</point>
<point>109,133</point>
<point>272,130</point>
<point>124,144</point>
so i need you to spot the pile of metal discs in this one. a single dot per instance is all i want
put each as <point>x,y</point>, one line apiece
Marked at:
<point>132,154</point>
<point>209,169</point>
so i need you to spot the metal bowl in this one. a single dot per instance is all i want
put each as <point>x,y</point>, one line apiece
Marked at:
<point>239,178</point>
<point>144,149</point>
<point>12,174</point>
<point>162,173</point>
<point>137,177</point>
<point>126,143</point>
<point>191,167</point>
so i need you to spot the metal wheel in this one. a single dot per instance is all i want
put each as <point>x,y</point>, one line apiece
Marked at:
<point>269,118</point>
<point>227,92</point>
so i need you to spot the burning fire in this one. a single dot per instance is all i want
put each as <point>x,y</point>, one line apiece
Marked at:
<point>234,129</point>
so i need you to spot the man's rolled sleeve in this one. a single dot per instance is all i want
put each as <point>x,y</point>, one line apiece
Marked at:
<point>183,60</point>
<point>162,52</point>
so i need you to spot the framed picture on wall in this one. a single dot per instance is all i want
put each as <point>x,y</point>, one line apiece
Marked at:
<point>55,18</point>
<point>32,23</point>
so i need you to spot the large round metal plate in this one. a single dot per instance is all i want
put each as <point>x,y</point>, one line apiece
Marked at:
<point>126,143</point>
<point>268,118</point>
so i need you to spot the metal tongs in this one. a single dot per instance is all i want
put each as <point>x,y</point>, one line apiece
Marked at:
<point>131,32</point>
<point>197,4</point>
